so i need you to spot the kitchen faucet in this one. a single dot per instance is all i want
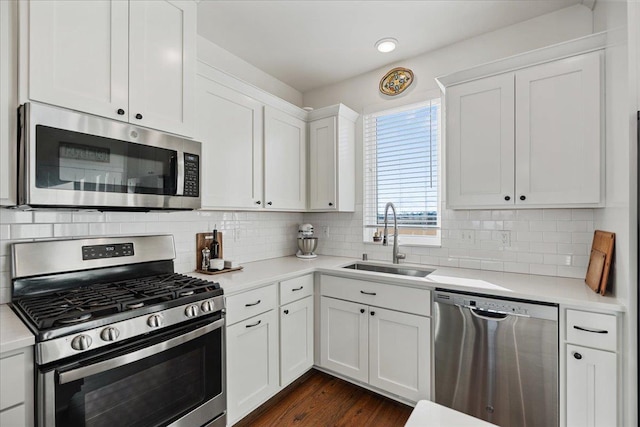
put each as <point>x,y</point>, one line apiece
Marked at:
<point>396,256</point>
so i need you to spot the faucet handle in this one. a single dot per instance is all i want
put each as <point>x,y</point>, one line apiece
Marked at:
<point>401,256</point>
<point>384,241</point>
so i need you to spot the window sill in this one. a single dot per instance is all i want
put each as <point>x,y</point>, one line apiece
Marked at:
<point>434,244</point>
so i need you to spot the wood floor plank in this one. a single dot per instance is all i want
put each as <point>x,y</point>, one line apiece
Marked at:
<point>321,400</point>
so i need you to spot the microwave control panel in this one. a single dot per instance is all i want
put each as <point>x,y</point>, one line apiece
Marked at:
<point>191,175</point>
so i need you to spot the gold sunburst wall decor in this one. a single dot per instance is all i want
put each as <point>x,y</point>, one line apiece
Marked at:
<point>396,81</point>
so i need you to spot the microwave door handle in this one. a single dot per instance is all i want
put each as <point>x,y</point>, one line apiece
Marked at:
<point>126,359</point>
<point>179,159</point>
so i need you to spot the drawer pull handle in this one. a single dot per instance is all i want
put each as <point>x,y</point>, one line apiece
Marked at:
<point>297,289</point>
<point>252,304</point>
<point>367,293</point>
<point>255,324</point>
<point>594,331</point>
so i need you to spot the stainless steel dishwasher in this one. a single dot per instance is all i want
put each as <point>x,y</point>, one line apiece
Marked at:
<point>497,359</point>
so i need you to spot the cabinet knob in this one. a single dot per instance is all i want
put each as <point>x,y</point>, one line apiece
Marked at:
<point>258,202</point>
<point>507,198</point>
<point>120,112</point>
<point>373,313</point>
<point>523,197</point>
<point>362,310</point>
<point>577,355</point>
<point>269,203</point>
<point>330,203</point>
<point>139,116</point>
<point>286,312</point>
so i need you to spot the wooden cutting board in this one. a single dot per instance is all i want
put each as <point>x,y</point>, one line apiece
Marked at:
<point>604,242</point>
<point>595,269</point>
<point>203,240</point>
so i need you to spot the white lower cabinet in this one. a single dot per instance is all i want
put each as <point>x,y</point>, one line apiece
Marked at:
<point>591,369</point>
<point>16,388</point>
<point>387,349</point>
<point>296,339</point>
<point>252,363</point>
<point>591,387</point>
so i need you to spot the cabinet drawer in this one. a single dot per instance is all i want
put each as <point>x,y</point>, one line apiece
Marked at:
<point>295,289</point>
<point>592,329</point>
<point>251,303</point>
<point>410,300</point>
<point>12,384</point>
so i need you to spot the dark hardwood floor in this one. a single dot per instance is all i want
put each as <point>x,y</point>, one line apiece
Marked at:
<point>320,400</point>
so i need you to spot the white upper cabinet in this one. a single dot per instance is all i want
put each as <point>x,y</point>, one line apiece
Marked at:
<point>107,57</point>
<point>332,159</point>
<point>8,102</point>
<point>230,129</point>
<point>162,64</point>
<point>527,138</point>
<point>558,149</point>
<point>285,160</point>
<point>480,149</point>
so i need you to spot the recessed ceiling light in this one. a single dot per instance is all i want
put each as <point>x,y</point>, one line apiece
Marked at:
<point>386,45</point>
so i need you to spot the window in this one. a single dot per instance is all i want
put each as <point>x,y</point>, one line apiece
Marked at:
<point>402,166</point>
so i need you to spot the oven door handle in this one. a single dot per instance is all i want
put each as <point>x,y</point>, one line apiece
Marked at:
<point>125,359</point>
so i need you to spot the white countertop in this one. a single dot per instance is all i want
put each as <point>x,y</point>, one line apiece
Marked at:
<point>13,333</point>
<point>559,290</point>
<point>431,414</point>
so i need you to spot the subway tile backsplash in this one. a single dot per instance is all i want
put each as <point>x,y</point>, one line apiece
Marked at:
<point>247,236</point>
<point>550,242</point>
<point>553,242</point>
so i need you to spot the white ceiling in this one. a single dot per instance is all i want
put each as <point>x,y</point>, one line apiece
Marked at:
<point>312,43</point>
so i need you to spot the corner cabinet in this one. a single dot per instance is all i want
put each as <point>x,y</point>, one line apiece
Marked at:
<point>233,153</point>
<point>285,161</point>
<point>377,334</point>
<point>332,159</point>
<point>528,138</point>
<point>129,61</point>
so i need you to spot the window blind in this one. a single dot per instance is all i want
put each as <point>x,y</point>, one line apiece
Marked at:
<point>402,166</point>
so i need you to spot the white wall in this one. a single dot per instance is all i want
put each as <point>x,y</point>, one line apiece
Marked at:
<point>547,242</point>
<point>217,57</point>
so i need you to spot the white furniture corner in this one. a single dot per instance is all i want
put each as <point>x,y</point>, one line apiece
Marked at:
<point>8,100</point>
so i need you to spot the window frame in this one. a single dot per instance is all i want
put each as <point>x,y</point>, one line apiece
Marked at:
<point>403,239</point>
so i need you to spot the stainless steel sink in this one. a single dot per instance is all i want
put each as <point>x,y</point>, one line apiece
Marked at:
<point>390,269</point>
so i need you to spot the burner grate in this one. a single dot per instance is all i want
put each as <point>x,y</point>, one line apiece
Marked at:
<point>100,300</point>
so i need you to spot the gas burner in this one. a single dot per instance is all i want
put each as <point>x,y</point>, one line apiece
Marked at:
<point>76,319</point>
<point>134,305</point>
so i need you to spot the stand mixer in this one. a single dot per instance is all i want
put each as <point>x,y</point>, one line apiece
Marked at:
<point>306,242</point>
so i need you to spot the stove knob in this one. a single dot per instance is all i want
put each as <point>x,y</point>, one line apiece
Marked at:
<point>191,311</point>
<point>207,306</point>
<point>155,321</point>
<point>109,334</point>
<point>81,342</point>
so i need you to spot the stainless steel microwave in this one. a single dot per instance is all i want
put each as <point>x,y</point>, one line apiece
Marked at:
<point>68,159</point>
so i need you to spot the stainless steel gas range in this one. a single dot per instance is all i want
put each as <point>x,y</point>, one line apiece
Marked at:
<point>120,338</point>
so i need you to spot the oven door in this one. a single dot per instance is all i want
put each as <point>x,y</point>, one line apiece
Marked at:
<point>172,379</point>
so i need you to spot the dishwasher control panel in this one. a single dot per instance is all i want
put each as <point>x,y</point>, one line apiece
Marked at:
<point>493,305</point>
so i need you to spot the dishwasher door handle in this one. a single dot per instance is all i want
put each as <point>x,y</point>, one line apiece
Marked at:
<point>490,314</point>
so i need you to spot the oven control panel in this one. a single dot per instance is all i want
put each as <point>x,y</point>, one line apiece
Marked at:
<point>107,251</point>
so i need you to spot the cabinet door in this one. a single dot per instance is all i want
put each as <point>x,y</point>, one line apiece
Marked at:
<point>162,71</point>
<point>285,159</point>
<point>399,353</point>
<point>8,101</point>
<point>344,338</point>
<point>591,387</point>
<point>322,164</point>
<point>78,55</point>
<point>229,125</point>
<point>296,339</point>
<point>558,132</point>
<point>252,363</point>
<point>480,143</point>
